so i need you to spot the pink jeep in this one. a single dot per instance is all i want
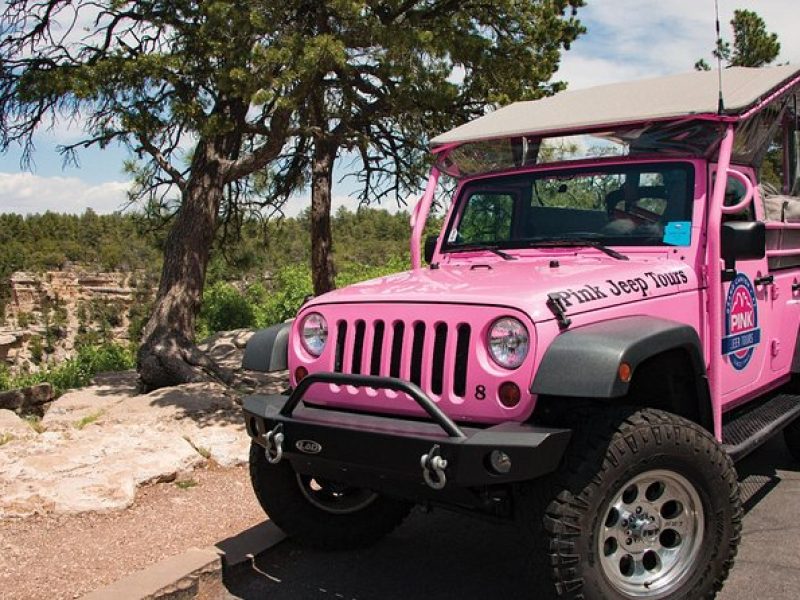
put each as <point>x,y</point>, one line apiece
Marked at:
<point>607,321</point>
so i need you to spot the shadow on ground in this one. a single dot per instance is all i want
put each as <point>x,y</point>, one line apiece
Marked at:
<point>759,473</point>
<point>441,556</point>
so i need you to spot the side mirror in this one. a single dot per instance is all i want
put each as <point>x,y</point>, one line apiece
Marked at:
<point>742,240</point>
<point>430,247</point>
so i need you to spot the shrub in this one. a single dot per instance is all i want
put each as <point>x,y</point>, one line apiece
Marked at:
<point>224,307</point>
<point>354,272</point>
<point>36,348</point>
<point>106,313</point>
<point>292,286</point>
<point>78,371</point>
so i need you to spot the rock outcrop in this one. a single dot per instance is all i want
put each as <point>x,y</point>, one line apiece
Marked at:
<point>46,313</point>
<point>100,443</point>
<point>28,400</point>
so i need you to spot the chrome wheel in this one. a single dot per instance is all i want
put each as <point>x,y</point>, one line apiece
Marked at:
<point>335,498</point>
<point>651,533</point>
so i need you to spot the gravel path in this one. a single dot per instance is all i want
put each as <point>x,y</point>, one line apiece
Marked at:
<point>67,556</point>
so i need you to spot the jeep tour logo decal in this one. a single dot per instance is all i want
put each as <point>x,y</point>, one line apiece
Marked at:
<point>742,333</point>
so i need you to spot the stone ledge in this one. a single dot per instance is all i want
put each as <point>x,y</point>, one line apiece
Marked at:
<point>195,574</point>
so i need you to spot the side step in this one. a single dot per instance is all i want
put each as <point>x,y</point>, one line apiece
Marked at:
<point>747,428</point>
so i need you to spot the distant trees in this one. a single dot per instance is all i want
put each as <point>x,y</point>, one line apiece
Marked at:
<point>51,241</point>
<point>753,45</point>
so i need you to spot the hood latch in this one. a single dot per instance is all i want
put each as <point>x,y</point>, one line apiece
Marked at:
<point>556,305</point>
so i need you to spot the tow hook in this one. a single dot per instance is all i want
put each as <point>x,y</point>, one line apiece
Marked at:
<point>274,444</point>
<point>433,466</point>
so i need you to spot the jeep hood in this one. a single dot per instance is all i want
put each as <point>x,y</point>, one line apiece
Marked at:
<point>581,283</point>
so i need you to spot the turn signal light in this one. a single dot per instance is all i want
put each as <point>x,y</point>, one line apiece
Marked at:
<point>625,372</point>
<point>509,394</point>
<point>300,374</point>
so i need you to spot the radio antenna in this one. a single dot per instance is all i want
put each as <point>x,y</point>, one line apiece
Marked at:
<point>721,104</point>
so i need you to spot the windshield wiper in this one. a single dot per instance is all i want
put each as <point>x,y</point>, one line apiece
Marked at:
<point>577,242</point>
<point>486,247</point>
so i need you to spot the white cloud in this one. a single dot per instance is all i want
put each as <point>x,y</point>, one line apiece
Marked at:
<point>27,193</point>
<point>632,39</point>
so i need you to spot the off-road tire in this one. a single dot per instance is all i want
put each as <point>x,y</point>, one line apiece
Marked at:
<point>791,435</point>
<point>562,513</point>
<point>280,495</point>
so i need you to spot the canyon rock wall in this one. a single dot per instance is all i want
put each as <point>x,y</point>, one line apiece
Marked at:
<point>47,314</point>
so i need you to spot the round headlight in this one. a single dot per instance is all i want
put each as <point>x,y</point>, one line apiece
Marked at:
<point>508,342</point>
<point>315,333</point>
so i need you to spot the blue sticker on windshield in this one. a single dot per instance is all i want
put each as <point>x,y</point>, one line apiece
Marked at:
<point>678,233</point>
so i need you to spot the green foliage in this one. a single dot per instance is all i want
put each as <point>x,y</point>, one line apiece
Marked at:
<point>752,45</point>
<point>487,219</point>
<point>224,307</point>
<point>292,286</point>
<point>353,272</point>
<point>77,371</point>
<point>5,377</point>
<point>106,313</point>
<point>52,241</point>
<point>36,348</point>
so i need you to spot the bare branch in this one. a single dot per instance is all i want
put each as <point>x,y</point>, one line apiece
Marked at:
<point>264,154</point>
<point>162,162</point>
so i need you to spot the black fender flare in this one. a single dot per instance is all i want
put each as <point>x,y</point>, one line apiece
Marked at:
<point>267,349</point>
<point>584,362</point>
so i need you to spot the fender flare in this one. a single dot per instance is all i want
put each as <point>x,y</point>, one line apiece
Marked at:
<point>267,349</point>
<point>584,362</point>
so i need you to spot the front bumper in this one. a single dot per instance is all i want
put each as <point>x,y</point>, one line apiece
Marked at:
<point>379,451</point>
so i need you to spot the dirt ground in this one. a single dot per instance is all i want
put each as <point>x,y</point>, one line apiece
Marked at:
<point>64,556</point>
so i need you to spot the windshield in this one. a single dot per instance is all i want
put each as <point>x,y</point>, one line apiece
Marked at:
<point>631,205</point>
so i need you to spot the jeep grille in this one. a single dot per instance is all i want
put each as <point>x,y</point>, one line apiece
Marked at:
<point>396,350</point>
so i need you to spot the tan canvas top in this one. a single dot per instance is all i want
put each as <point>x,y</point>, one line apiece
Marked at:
<point>674,96</point>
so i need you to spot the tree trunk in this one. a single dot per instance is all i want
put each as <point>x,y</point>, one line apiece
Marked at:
<point>168,355</point>
<point>322,269</point>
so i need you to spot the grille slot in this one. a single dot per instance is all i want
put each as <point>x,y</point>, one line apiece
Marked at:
<point>377,346</point>
<point>358,348</point>
<point>397,348</point>
<point>462,357</point>
<point>437,368</point>
<point>341,333</point>
<point>416,353</point>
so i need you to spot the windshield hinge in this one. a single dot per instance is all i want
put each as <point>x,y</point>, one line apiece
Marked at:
<point>556,306</point>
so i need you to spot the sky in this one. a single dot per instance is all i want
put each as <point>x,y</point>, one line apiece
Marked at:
<point>626,39</point>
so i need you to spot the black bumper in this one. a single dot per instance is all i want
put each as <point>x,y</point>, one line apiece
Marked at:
<point>373,451</point>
